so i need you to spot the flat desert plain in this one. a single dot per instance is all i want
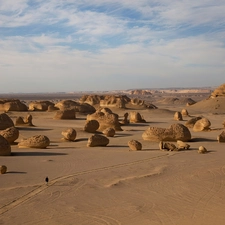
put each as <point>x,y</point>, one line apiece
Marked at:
<point>112,185</point>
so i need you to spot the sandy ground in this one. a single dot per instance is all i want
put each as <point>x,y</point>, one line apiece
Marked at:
<point>112,185</point>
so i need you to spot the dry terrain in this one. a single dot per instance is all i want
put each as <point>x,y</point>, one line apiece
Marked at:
<point>112,185</point>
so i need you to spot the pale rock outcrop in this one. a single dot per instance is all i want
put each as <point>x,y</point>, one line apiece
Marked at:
<point>10,134</point>
<point>67,114</point>
<point>182,146</point>
<point>202,125</point>
<point>5,121</point>
<point>91,126</point>
<point>135,145</point>
<point>118,101</point>
<point>91,99</point>
<point>178,116</point>
<point>219,92</point>
<point>135,117</point>
<point>221,137</point>
<point>5,148</point>
<point>27,121</point>
<point>12,105</point>
<point>69,134</point>
<point>173,133</point>
<point>202,150</point>
<point>97,140</point>
<point>190,123</point>
<point>105,120</point>
<point>109,132</point>
<point>3,169</point>
<point>136,101</point>
<point>167,146</point>
<point>184,112</point>
<point>36,141</point>
<point>40,105</point>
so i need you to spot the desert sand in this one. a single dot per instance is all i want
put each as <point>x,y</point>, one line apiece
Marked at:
<point>112,185</point>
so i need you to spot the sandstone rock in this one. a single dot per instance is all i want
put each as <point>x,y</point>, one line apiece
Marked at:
<point>91,126</point>
<point>181,145</point>
<point>173,133</point>
<point>134,145</point>
<point>125,120</point>
<point>109,132</point>
<point>190,123</point>
<point>220,91</point>
<point>36,141</point>
<point>40,105</point>
<point>97,140</point>
<point>118,101</point>
<point>5,121</point>
<point>27,121</point>
<point>12,105</point>
<point>3,169</point>
<point>221,137</point>
<point>105,120</point>
<point>68,114</point>
<point>91,99</point>
<point>202,125</point>
<point>135,117</point>
<point>202,150</point>
<point>5,148</point>
<point>69,134</point>
<point>170,146</point>
<point>10,134</point>
<point>178,116</point>
<point>184,112</point>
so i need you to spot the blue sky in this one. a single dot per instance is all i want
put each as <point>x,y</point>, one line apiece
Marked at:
<point>94,45</point>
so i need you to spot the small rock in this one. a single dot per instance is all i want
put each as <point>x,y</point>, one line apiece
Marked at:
<point>202,150</point>
<point>69,134</point>
<point>134,145</point>
<point>181,145</point>
<point>3,169</point>
<point>109,132</point>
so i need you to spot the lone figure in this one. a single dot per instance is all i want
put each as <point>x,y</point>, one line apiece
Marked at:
<point>46,180</point>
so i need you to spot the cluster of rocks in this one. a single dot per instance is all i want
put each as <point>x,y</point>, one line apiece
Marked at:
<point>172,147</point>
<point>198,124</point>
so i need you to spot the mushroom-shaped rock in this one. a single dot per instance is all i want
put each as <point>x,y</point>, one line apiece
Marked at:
<point>221,137</point>
<point>173,133</point>
<point>182,145</point>
<point>69,134</point>
<point>202,150</point>
<point>36,141</point>
<point>178,116</point>
<point>134,145</point>
<point>97,140</point>
<point>40,105</point>
<point>105,120</point>
<point>202,125</point>
<point>135,117</point>
<point>68,114</point>
<point>190,123</point>
<point>184,112</point>
<point>10,134</point>
<point>91,126</point>
<point>3,169</point>
<point>109,132</point>
<point>5,148</point>
<point>5,121</point>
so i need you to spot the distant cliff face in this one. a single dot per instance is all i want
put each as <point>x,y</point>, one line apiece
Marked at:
<point>219,92</point>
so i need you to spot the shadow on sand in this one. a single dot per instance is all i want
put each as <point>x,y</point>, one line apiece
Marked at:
<point>36,154</point>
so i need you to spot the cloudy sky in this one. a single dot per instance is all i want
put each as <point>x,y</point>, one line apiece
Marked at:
<point>94,45</point>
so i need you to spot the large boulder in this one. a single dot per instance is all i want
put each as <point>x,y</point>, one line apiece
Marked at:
<point>118,101</point>
<point>5,121</point>
<point>40,105</point>
<point>135,117</point>
<point>10,134</point>
<point>97,140</point>
<point>173,133</point>
<point>91,99</point>
<point>202,125</point>
<point>67,114</point>
<point>105,119</point>
<point>36,141</point>
<point>5,148</point>
<point>12,105</point>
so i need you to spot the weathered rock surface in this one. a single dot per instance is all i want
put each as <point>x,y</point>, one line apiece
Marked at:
<point>69,134</point>
<point>97,140</point>
<point>182,146</point>
<point>12,105</point>
<point>220,91</point>
<point>91,126</point>
<point>202,150</point>
<point>173,133</point>
<point>190,123</point>
<point>135,117</point>
<point>27,121</point>
<point>221,137</point>
<point>167,146</point>
<point>109,132</point>
<point>40,105</point>
<point>3,169</point>
<point>125,119</point>
<point>184,112</point>
<point>5,121</point>
<point>10,134</point>
<point>178,116</point>
<point>67,114</point>
<point>36,141</point>
<point>5,148</point>
<point>202,125</point>
<point>135,145</point>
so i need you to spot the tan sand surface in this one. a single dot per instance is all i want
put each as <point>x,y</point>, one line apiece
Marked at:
<point>112,185</point>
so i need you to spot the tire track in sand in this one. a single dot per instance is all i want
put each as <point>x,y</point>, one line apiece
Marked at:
<point>40,188</point>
